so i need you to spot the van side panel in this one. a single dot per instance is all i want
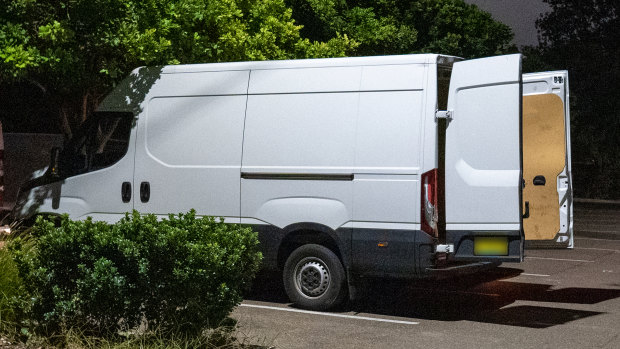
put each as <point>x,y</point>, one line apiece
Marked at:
<point>389,126</point>
<point>387,157</point>
<point>189,147</point>
<point>298,158</point>
<point>189,151</point>
<point>344,154</point>
<point>288,136</point>
<point>386,189</point>
<point>305,80</point>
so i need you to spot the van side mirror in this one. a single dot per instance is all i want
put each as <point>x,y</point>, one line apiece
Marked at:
<point>53,168</point>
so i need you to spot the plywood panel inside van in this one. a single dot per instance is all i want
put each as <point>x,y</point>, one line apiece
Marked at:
<point>544,156</point>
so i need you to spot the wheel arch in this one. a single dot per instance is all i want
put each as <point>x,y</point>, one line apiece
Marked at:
<point>299,234</point>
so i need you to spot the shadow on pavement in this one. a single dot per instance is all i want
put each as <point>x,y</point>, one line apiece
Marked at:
<point>544,293</point>
<point>267,287</point>
<point>484,297</point>
<point>534,316</point>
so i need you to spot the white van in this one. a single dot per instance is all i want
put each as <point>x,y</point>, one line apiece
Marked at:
<point>339,164</point>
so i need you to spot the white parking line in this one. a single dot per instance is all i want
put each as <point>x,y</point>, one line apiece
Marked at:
<point>541,275</point>
<point>329,314</point>
<point>597,239</point>
<point>596,249</point>
<point>561,259</point>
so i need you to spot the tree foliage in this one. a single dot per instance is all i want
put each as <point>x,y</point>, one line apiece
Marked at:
<point>75,50</point>
<point>582,36</point>
<point>405,26</point>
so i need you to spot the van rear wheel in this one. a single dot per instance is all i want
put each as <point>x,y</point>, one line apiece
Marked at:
<point>314,278</point>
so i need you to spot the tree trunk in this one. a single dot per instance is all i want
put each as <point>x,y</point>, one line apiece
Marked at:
<point>65,126</point>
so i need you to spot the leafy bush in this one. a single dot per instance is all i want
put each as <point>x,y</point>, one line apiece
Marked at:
<point>10,283</point>
<point>178,274</point>
<point>14,299</point>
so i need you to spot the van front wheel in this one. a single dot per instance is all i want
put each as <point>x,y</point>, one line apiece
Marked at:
<point>314,278</point>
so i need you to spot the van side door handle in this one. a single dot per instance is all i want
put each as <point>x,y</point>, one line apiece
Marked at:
<point>126,192</point>
<point>145,191</point>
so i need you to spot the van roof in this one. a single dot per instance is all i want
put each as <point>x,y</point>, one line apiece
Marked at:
<point>312,63</point>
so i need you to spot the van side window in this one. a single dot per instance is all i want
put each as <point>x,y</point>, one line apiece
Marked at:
<point>101,143</point>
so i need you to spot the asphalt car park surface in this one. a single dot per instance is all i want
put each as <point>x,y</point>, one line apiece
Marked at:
<point>555,299</point>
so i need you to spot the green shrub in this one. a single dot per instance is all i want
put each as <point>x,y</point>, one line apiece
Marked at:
<point>178,274</point>
<point>13,296</point>
<point>10,283</point>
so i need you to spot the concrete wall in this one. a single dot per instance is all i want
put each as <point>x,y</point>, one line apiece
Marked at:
<point>24,154</point>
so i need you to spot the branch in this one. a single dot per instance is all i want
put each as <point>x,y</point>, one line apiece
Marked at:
<point>85,106</point>
<point>37,84</point>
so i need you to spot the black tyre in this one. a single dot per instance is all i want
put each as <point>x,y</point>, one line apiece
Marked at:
<point>314,278</point>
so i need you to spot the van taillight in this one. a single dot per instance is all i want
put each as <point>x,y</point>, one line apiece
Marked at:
<point>428,202</point>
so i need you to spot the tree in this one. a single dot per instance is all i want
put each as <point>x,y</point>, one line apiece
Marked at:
<point>405,26</point>
<point>74,51</point>
<point>582,36</point>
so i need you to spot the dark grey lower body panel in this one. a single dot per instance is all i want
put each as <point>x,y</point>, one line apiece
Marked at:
<point>273,241</point>
<point>400,253</point>
<point>270,238</point>
<point>546,244</point>
<point>389,252</point>
<point>461,269</point>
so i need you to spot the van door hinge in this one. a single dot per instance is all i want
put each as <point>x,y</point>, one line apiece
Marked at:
<point>443,114</point>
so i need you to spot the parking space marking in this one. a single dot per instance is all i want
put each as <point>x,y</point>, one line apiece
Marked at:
<point>597,239</point>
<point>596,249</point>
<point>541,275</point>
<point>329,314</point>
<point>561,259</point>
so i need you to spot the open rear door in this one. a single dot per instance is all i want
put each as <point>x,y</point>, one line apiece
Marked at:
<point>483,166</point>
<point>546,160</point>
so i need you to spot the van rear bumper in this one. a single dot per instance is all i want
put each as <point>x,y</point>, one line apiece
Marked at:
<point>460,269</point>
<point>464,241</point>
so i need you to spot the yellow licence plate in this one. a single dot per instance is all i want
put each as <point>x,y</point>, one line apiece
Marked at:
<point>490,246</point>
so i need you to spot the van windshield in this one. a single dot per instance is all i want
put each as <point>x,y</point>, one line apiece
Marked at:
<point>101,142</point>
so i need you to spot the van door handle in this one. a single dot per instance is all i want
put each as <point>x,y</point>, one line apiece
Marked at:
<point>527,210</point>
<point>145,191</point>
<point>540,180</point>
<point>126,192</point>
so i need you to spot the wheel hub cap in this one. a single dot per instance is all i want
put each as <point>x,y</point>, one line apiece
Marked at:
<point>313,278</point>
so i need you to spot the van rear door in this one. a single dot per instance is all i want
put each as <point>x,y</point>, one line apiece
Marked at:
<point>546,160</point>
<point>483,160</point>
